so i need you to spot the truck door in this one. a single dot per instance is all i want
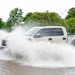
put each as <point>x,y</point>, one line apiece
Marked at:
<point>53,35</point>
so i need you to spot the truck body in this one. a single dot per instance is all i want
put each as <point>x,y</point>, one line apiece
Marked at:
<point>53,34</point>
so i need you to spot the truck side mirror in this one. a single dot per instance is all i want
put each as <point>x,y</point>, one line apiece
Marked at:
<point>37,35</point>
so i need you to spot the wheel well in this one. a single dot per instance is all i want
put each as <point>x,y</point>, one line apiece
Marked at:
<point>73,42</point>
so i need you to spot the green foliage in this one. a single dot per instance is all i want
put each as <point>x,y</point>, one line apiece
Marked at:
<point>70,21</point>
<point>15,17</point>
<point>70,25</point>
<point>71,13</point>
<point>43,18</point>
<point>1,23</point>
<point>39,19</point>
<point>27,16</point>
<point>8,25</point>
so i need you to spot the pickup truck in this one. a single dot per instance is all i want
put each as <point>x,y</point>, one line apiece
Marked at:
<point>53,34</point>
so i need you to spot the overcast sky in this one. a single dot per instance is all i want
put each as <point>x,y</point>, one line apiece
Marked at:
<point>59,6</point>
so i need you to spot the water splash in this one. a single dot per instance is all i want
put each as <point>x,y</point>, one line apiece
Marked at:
<point>40,54</point>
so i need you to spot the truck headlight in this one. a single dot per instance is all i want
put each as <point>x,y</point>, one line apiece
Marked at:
<point>3,42</point>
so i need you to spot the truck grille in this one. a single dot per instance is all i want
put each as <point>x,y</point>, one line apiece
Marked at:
<point>3,42</point>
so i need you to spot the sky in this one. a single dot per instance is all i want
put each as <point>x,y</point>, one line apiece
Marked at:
<point>59,6</point>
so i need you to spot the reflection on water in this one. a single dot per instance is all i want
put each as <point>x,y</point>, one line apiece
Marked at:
<point>13,68</point>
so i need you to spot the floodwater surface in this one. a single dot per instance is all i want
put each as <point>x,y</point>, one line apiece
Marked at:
<point>13,68</point>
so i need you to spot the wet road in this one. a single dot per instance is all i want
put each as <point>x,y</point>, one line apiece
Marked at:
<point>13,68</point>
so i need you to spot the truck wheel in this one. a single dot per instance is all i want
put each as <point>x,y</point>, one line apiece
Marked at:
<point>73,42</point>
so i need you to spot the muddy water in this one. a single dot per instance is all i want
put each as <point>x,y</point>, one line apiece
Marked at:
<point>13,68</point>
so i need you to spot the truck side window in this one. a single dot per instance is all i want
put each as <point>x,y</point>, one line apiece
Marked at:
<point>44,32</point>
<point>57,32</point>
<point>51,32</point>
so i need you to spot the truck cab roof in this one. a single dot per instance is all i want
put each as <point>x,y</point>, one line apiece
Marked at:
<point>49,27</point>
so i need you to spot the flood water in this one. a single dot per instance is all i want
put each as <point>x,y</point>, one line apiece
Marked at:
<point>13,68</point>
<point>23,57</point>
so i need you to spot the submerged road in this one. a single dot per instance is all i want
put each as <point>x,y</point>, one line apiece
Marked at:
<point>13,68</point>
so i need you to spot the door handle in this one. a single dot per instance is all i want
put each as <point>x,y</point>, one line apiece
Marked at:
<point>50,39</point>
<point>64,38</point>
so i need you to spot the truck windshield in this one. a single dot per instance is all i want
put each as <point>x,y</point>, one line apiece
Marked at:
<point>31,31</point>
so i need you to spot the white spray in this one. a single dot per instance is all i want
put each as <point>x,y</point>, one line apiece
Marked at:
<point>41,54</point>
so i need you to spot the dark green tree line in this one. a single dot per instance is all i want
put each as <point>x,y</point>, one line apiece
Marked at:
<point>43,18</point>
<point>70,21</point>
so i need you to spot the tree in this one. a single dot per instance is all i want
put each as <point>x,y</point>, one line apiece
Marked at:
<point>70,25</point>
<point>27,16</point>
<point>15,17</point>
<point>43,18</point>
<point>71,13</point>
<point>8,25</point>
<point>1,23</point>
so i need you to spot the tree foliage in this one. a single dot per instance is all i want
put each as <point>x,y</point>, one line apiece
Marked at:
<point>71,13</point>
<point>43,18</point>
<point>1,23</point>
<point>70,25</point>
<point>39,18</point>
<point>8,25</point>
<point>70,21</point>
<point>27,16</point>
<point>15,17</point>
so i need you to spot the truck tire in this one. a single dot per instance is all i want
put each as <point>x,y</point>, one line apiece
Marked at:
<point>73,42</point>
